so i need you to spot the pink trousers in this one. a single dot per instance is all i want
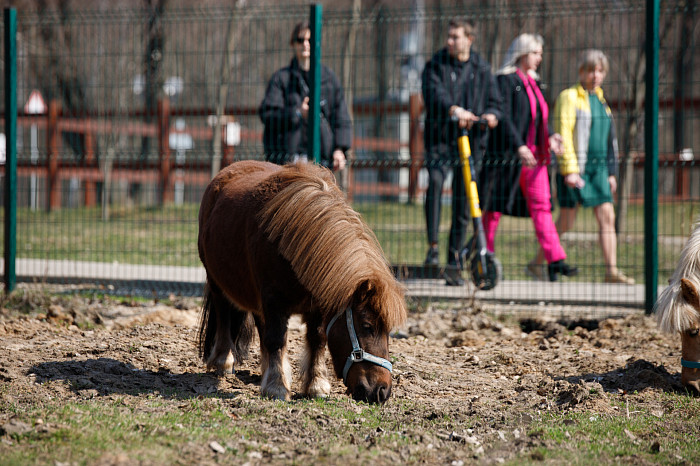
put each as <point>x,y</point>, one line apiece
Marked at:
<point>534,183</point>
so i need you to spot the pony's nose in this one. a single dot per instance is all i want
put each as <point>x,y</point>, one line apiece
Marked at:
<point>382,393</point>
<point>361,392</point>
<point>377,394</point>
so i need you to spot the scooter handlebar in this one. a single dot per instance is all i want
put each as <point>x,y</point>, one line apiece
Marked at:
<point>481,122</point>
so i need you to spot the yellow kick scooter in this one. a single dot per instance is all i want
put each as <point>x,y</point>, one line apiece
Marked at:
<point>484,267</point>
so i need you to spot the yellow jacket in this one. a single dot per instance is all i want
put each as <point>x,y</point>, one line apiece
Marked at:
<point>572,119</point>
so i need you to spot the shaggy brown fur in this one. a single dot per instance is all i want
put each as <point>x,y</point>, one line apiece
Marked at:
<point>277,241</point>
<point>339,253</point>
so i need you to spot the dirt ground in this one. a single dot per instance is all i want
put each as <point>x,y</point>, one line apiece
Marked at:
<point>476,379</point>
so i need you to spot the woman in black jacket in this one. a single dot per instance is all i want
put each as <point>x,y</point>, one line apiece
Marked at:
<point>285,108</point>
<point>515,180</point>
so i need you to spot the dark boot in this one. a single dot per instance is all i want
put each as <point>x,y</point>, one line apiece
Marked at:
<point>560,267</point>
<point>433,256</point>
<point>453,271</point>
<point>453,276</point>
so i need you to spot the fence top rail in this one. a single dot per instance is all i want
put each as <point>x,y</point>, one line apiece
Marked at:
<point>388,12</point>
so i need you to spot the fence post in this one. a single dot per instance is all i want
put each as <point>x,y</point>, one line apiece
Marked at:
<point>53,144</point>
<point>165,182</point>
<point>314,133</point>
<point>10,39</point>
<point>651,156</point>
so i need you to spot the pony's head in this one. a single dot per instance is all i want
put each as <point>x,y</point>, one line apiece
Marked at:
<point>358,340</point>
<point>678,310</point>
<point>690,339</point>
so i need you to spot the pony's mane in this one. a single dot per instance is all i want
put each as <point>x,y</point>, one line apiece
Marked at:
<point>330,248</point>
<point>673,314</point>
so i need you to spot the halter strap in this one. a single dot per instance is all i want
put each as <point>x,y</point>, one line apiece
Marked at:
<point>357,354</point>
<point>690,364</point>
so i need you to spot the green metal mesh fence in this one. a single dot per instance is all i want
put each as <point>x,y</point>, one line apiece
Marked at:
<point>124,115</point>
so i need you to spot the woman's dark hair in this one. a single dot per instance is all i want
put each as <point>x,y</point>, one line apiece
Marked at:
<point>303,26</point>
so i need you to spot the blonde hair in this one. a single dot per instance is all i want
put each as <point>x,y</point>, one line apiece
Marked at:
<point>591,58</point>
<point>522,45</point>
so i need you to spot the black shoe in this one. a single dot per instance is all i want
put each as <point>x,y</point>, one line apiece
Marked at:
<point>433,256</point>
<point>453,276</point>
<point>560,267</point>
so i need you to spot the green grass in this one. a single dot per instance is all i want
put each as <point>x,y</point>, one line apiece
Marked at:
<point>632,435</point>
<point>158,430</point>
<point>164,430</point>
<point>151,432</point>
<point>152,236</point>
<point>167,236</point>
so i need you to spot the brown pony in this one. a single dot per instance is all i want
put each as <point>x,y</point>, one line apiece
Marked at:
<point>282,240</point>
<point>678,309</point>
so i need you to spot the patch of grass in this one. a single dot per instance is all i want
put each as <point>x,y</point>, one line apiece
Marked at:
<point>641,437</point>
<point>86,430</point>
<point>164,430</point>
<point>24,302</point>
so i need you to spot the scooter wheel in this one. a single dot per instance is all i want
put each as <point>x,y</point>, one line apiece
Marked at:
<point>486,279</point>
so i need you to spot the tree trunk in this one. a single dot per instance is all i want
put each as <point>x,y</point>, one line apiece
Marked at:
<point>684,66</point>
<point>343,176</point>
<point>232,36</point>
<point>153,73</point>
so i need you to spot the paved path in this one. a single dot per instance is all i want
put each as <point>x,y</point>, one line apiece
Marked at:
<point>189,280</point>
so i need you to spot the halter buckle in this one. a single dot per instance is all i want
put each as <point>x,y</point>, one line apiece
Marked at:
<point>357,355</point>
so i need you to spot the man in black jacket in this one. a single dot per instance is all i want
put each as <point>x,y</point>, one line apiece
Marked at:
<point>285,108</point>
<point>458,91</point>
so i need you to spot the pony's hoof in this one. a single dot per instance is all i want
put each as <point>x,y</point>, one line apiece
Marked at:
<point>221,366</point>
<point>320,388</point>
<point>282,395</point>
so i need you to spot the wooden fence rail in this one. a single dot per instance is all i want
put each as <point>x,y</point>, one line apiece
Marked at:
<point>165,172</point>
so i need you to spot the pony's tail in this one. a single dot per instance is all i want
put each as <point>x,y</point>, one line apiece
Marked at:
<point>217,311</point>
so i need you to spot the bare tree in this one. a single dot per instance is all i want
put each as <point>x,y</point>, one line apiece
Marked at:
<point>58,71</point>
<point>634,71</point>
<point>152,64</point>
<point>232,37</point>
<point>683,68</point>
<point>348,64</point>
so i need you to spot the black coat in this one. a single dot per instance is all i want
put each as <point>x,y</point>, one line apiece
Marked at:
<point>285,131</point>
<point>500,178</point>
<point>446,82</point>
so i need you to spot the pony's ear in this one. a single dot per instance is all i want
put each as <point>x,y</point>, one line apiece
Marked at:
<point>364,292</point>
<point>690,293</point>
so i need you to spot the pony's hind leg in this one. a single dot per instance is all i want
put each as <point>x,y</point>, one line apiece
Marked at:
<point>277,372</point>
<point>314,379</point>
<point>224,333</point>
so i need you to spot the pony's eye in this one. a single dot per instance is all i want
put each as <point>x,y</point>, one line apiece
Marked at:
<point>367,327</point>
<point>694,332</point>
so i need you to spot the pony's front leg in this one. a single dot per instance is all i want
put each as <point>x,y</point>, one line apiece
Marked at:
<point>277,372</point>
<point>313,368</point>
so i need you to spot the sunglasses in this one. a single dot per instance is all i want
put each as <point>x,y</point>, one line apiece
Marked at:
<point>301,40</point>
